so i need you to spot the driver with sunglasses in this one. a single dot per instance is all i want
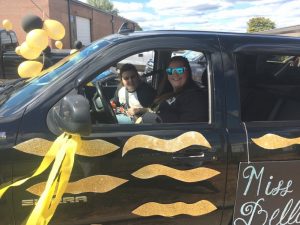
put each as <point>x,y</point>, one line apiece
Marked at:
<point>187,102</point>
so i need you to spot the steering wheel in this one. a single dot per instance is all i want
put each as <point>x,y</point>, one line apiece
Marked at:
<point>105,103</point>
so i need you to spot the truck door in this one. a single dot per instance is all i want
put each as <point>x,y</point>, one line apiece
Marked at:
<point>173,174</point>
<point>157,186</point>
<point>153,191</point>
<point>268,120</point>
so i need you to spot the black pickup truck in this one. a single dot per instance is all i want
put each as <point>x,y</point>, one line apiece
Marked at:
<point>177,173</point>
<point>9,60</point>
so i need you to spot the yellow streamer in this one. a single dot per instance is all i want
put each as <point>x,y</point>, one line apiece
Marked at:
<point>56,183</point>
<point>48,159</point>
<point>63,151</point>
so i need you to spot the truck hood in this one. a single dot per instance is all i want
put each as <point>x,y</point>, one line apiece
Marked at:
<point>8,131</point>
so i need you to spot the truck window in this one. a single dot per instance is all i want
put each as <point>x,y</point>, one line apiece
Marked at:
<point>5,40</point>
<point>13,37</point>
<point>152,73</point>
<point>269,87</point>
<point>8,40</point>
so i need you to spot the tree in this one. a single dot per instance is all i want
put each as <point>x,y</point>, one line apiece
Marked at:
<point>106,5</point>
<point>257,24</point>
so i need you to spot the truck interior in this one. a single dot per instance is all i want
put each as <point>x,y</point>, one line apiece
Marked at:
<point>269,84</point>
<point>152,72</point>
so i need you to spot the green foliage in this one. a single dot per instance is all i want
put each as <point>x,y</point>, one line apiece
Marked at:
<point>257,24</point>
<point>105,5</point>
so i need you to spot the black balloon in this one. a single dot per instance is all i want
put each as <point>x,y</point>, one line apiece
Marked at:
<point>31,22</point>
<point>78,44</point>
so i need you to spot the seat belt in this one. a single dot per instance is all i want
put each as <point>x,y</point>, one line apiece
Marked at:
<point>127,99</point>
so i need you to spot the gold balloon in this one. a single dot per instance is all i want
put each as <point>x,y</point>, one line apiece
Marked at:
<point>37,38</point>
<point>54,29</point>
<point>7,25</point>
<point>28,52</point>
<point>29,69</point>
<point>18,50</point>
<point>59,44</point>
<point>73,51</point>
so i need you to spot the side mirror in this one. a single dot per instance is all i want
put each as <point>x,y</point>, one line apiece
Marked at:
<point>72,115</point>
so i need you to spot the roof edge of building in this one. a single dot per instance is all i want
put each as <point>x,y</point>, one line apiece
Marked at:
<point>100,10</point>
<point>295,28</point>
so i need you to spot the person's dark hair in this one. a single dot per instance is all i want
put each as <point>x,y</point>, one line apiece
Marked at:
<point>127,67</point>
<point>185,62</point>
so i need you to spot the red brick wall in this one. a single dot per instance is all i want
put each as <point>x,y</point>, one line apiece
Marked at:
<point>101,25</point>
<point>101,22</point>
<point>58,10</point>
<point>15,10</point>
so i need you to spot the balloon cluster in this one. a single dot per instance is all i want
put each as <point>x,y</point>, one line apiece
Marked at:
<point>37,39</point>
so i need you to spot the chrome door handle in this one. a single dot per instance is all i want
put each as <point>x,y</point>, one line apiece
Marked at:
<point>204,156</point>
<point>201,155</point>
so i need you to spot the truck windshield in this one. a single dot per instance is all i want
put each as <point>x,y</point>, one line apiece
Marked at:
<point>22,94</point>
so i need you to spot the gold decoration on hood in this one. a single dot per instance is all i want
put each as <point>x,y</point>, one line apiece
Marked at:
<point>96,184</point>
<point>193,175</point>
<point>168,210</point>
<point>273,141</point>
<point>90,148</point>
<point>170,146</point>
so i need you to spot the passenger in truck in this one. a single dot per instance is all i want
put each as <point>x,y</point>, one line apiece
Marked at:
<point>187,102</point>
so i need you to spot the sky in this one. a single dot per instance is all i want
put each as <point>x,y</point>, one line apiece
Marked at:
<point>207,15</point>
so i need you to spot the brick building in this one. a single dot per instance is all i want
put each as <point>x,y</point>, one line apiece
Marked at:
<point>85,22</point>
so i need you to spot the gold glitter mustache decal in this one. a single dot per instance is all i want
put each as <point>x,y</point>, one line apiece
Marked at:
<point>168,210</point>
<point>192,175</point>
<point>90,148</point>
<point>170,146</point>
<point>273,141</point>
<point>96,184</point>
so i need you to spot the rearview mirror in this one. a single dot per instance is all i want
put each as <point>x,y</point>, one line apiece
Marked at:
<point>72,115</point>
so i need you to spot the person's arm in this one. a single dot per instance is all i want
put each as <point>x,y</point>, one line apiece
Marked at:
<point>136,111</point>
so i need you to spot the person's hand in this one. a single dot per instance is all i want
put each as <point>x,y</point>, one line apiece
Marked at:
<point>136,111</point>
<point>132,111</point>
<point>120,110</point>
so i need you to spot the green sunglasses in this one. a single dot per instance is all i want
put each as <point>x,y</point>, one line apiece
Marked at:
<point>178,70</point>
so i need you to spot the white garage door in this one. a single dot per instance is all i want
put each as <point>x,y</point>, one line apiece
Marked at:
<point>83,28</point>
